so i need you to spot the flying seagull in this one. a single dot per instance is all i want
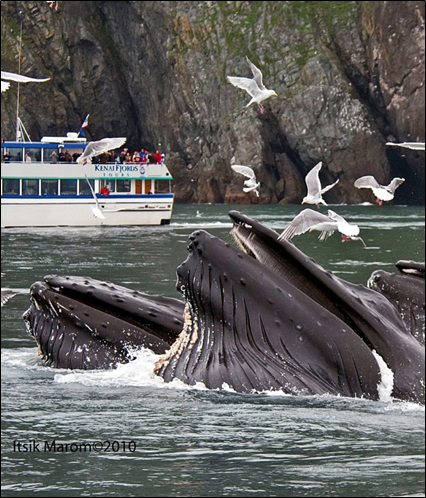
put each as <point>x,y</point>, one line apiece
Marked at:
<point>382,193</point>
<point>409,145</point>
<point>308,220</point>
<point>18,78</point>
<point>254,87</point>
<point>95,148</point>
<point>313,184</point>
<point>250,184</point>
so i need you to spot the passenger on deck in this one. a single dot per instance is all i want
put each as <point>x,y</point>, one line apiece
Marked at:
<point>68,157</point>
<point>157,157</point>
<point>136,157</point>
<point>105,190</point>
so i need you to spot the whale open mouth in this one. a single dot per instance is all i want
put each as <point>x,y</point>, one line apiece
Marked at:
<point>247,328</point>
<point>84,323</point>
<point>257,317</point>
<point>369,314</point>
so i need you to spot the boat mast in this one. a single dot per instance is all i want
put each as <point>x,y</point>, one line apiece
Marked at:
<point>20,128</point>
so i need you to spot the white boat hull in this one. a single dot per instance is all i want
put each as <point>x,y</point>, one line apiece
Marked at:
<point>61,211</point>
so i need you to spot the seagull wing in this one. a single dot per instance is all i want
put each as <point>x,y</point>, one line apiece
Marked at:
<point>257,75</point>
<point>312,180</point>
<point>250,186</point>
<point>328,187</point>
<point>335,217</point>
<point>96,210</point>
<point>96,148</point>
<point>367,182</point>
<point>6,295</point>
<point>250,86</point>
<point>304,221</point>
<point>244,170</point>
<point>394,184</point>
<point>21,79</point>
<point>409,145</point>
<point>4,86</point>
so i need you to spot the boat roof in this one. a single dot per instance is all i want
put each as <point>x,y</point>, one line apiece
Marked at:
<point>71,140</point>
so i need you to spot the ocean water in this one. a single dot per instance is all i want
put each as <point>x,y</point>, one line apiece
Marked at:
<point>126,433</point>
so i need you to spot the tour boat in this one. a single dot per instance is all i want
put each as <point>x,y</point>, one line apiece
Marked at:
<point>38,191</point>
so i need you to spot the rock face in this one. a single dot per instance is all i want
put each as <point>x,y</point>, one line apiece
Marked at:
<point>349,77</point>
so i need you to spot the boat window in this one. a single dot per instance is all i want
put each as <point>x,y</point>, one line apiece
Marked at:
<point>3,152</point>
<point>109,184</point>
<point>83,187</point>
<point>35,154</point>
<point>15,154</point>
<point>47,155</point>
<point>68,187</point>
<point>49,187</point>
<point>123,185</point>
<point>10,187</point>
<point>163,187</point>
<point>30,187</point>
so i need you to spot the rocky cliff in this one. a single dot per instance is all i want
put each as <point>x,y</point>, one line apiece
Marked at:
<point>349,77</point>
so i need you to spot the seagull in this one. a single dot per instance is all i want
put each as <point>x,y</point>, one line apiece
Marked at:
<point>251,183</point>
<point>18,78</point>
<point>308,219</point>
<point>254,87</point>
<point>96,210</point>
<point>313,184</point>
<point>382,193</point>
<point>409,145</point>
<point>95,148</point>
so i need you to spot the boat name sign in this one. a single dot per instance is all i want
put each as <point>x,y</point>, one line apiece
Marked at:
<point>75,170</point>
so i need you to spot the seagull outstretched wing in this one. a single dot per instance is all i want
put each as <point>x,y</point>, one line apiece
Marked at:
<point>367,181</point>
<point>257,74</point>
<point>409,145</point>
<point>19,78</point>
<point>303,222</point>
<point>98,147</point>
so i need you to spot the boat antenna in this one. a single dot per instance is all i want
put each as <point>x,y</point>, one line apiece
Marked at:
<point>20,128</point>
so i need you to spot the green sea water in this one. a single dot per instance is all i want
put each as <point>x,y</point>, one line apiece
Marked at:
<point>125,433</point>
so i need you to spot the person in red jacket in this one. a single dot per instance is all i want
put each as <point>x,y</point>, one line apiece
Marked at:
<point>158,157</point>
<point>105,190</point>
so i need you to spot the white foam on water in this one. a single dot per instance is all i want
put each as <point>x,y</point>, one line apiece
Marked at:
<point>385,386</point>
<point>137,373</point>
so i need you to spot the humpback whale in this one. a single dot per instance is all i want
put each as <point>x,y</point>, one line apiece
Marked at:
<point>406,291</point>
<point>260,316</point>
<point>83,323</point>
